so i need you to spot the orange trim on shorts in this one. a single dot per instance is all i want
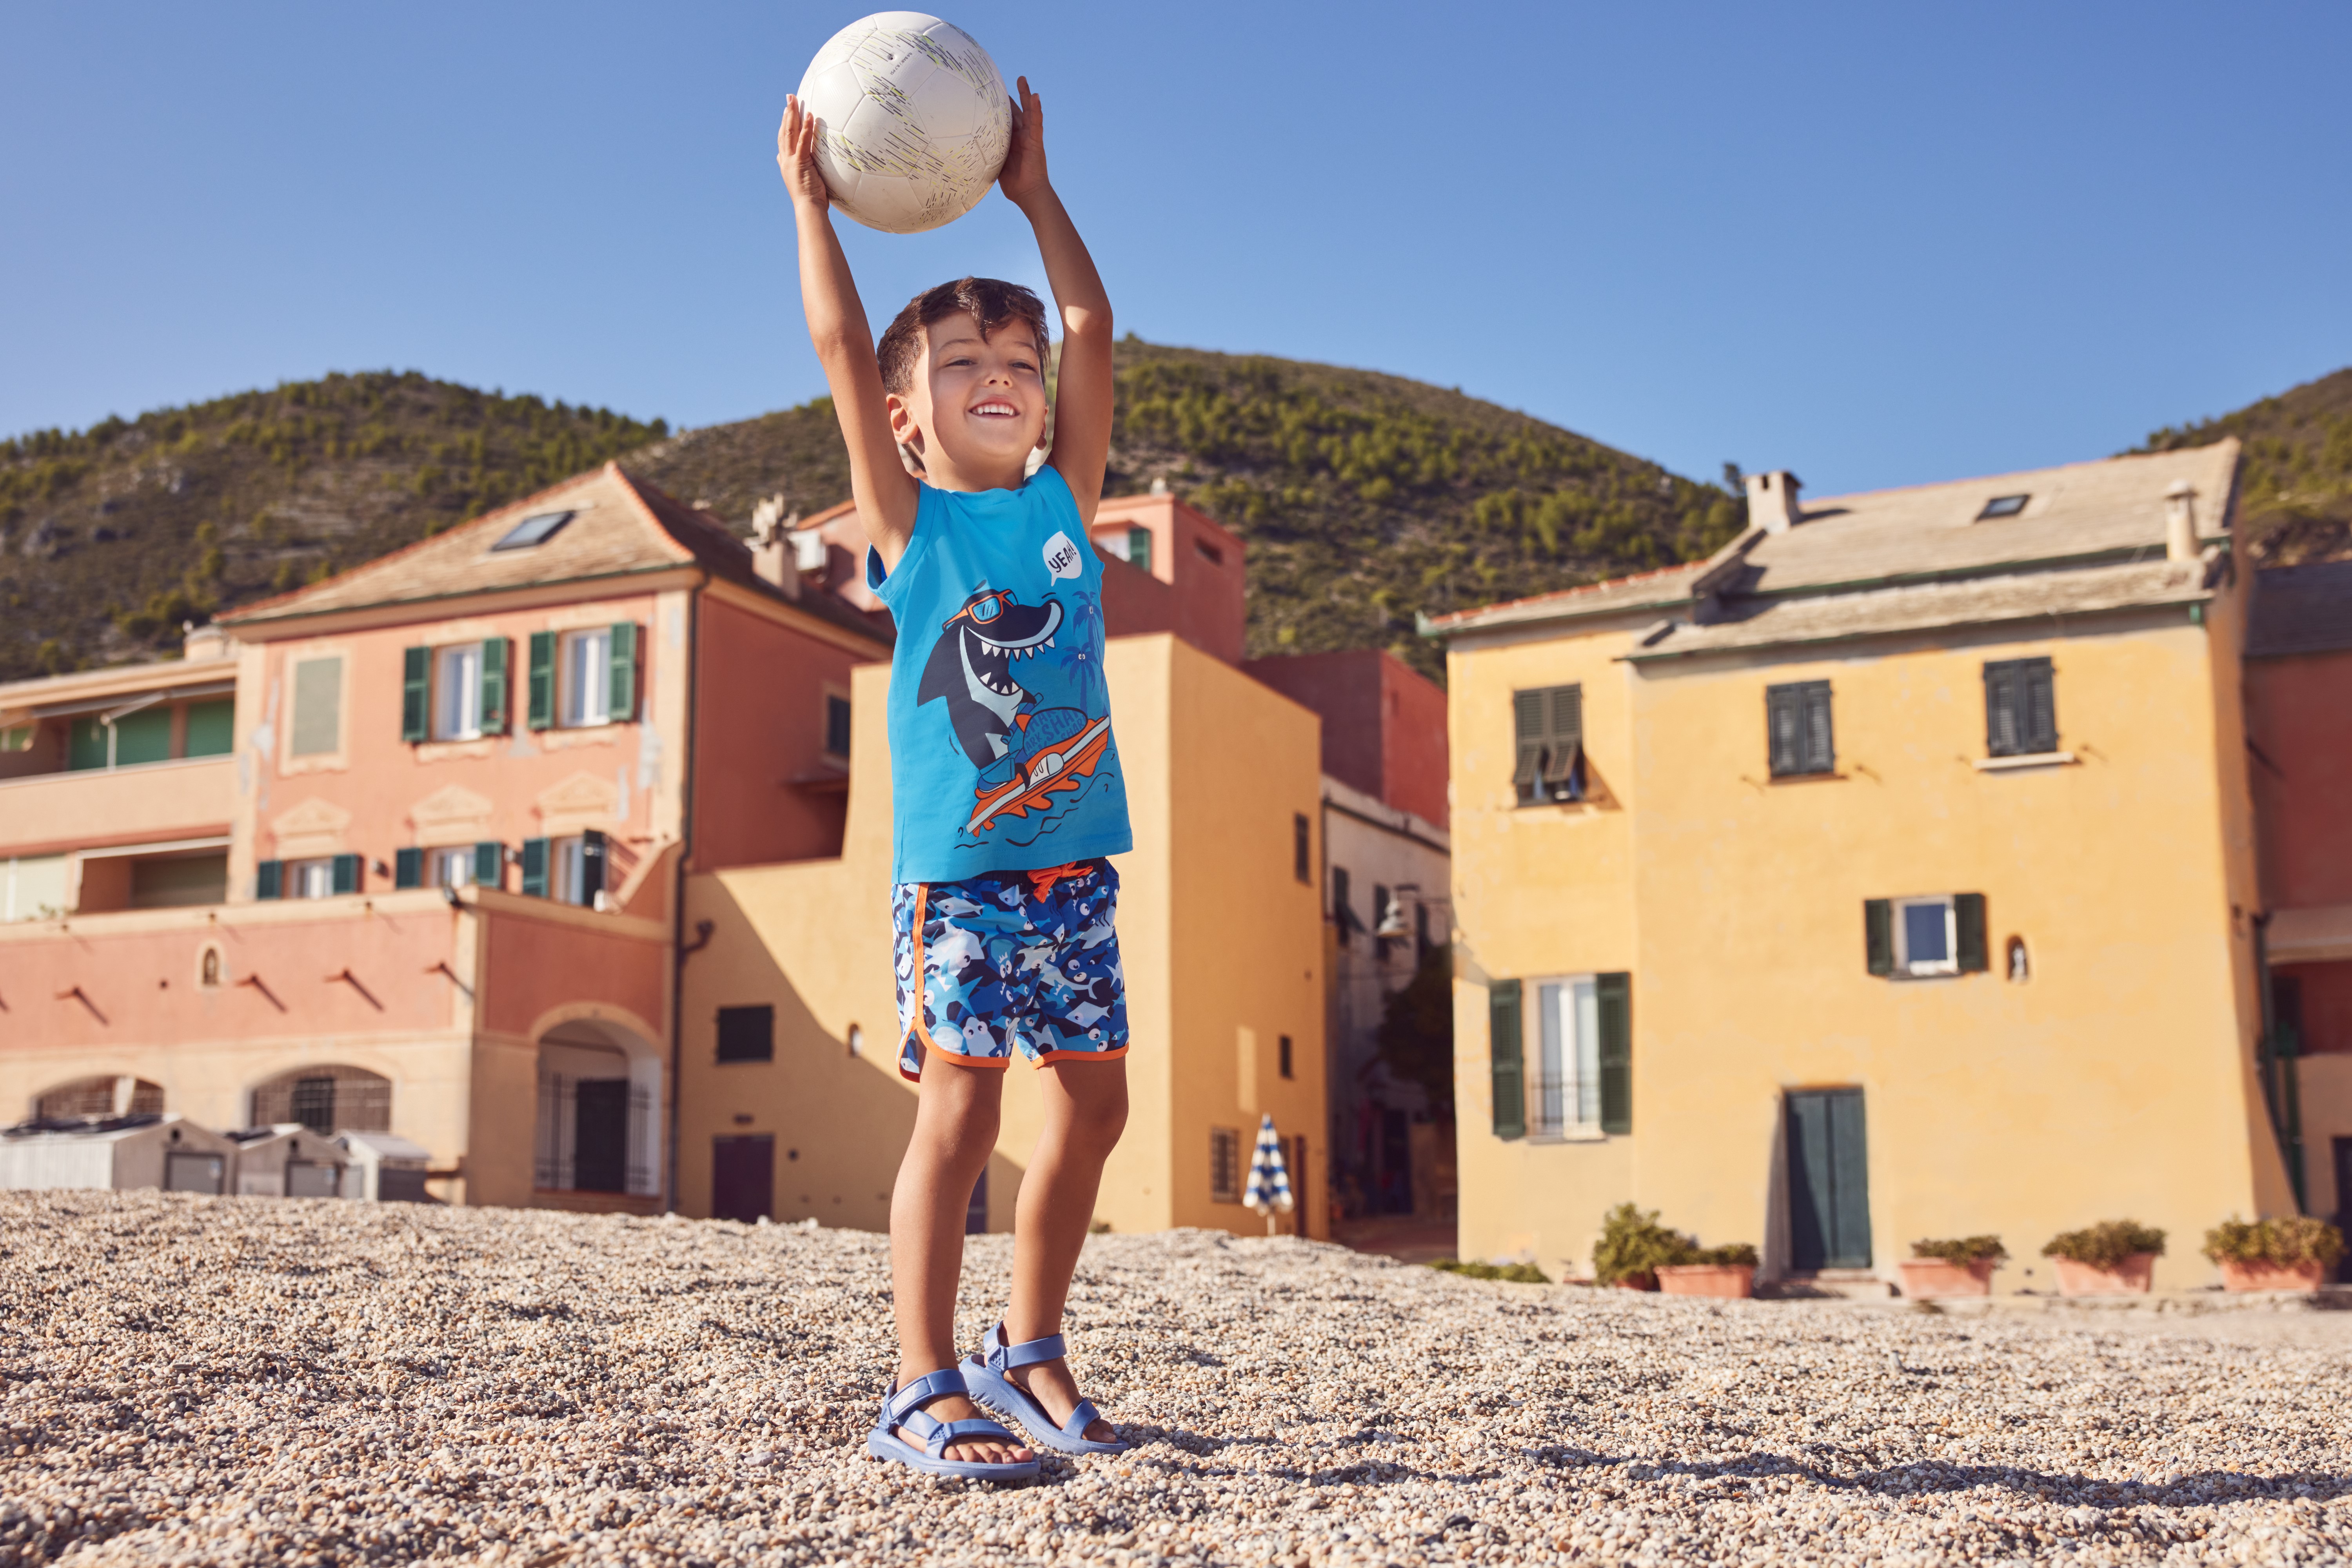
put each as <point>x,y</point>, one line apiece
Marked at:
<point>1078,1056</point>
<point>915,1021</point>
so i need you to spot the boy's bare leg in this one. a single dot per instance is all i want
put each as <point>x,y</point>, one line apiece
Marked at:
<point>1085,1108</point>
<point>956,1114</point>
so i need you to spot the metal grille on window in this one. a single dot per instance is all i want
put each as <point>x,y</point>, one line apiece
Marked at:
<point>1549,725</point>
<point>326,1099</point>
<point>1224,1165</point>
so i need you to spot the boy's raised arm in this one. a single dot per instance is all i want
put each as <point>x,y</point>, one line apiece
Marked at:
<point>1082,390</point>
<point>885,492</point>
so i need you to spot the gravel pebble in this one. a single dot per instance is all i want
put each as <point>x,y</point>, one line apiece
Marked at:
<point>198,1380</point>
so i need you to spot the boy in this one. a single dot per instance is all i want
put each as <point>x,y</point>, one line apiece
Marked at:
<point>1006,788</point>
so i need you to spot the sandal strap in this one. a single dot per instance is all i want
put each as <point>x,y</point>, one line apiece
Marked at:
<point>1002,1357</point>
<point>1084,1416</point>
<point>944,1434</point>
<point>908,1401</point>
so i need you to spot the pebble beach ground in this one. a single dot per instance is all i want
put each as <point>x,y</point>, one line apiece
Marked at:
<point>193,1380</point>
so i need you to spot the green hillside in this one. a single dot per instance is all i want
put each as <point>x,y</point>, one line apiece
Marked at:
<point>111,538</point>
<point>2295,495</point>
<point>1364,498</point>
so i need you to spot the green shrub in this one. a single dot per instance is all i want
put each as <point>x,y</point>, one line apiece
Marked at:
<point>1732,1254</point>
<point>1633,1245</point>
<point>1517,1273</point>
<point>2107,1244</point>
<point>1965,1250</point>
<point>2284,1242</point>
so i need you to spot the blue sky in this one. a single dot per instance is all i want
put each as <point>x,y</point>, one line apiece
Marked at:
<point>1881,245</point>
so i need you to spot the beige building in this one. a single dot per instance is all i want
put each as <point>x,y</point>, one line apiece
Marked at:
<point>1888,876</point>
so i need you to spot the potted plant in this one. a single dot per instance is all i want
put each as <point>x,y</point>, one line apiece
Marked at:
<point>1632,1247</point>
<point>1724,1271</point>
<point>1956,1268</point>
<point>2290,1254</point>
<point>2115,1257</point>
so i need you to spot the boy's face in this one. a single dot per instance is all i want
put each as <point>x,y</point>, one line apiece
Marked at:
<point>978,403</point>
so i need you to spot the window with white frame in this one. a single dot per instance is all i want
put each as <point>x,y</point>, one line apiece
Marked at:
<point>1927,936</point>
<point>452,867</point>
<point>1566,1094</point>
<point>309,878</point>
<point>458,692</point>
<point>585,684</point>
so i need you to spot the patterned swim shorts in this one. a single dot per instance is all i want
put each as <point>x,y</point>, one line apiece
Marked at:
<point>1026,958</point>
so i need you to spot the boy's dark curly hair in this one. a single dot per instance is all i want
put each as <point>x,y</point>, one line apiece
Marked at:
<point>991,301</point>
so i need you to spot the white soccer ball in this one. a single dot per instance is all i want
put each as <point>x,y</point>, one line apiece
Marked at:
<point>912,121</point>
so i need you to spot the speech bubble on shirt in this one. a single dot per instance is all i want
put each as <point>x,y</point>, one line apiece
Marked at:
<point>1062,557</point>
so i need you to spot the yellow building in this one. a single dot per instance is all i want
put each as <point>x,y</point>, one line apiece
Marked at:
<point>791,1101</point>
<point>1887,876</point>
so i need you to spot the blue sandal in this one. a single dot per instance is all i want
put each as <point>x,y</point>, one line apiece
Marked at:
<point>904,1409</point>
<point>984,1372</point>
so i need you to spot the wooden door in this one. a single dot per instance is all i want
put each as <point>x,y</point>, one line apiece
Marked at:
<point>600,1145</point>
<point>743,1178</point>
<point>1829,1180</point>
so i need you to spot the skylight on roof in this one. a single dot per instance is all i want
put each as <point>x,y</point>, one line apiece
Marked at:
<point>532,531</point>
<point>2003,507</point>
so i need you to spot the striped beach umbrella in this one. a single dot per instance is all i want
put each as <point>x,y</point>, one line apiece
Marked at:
<point>1269,1178</point>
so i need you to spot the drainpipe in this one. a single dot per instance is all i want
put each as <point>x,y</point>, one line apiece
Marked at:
<point>678,949</point>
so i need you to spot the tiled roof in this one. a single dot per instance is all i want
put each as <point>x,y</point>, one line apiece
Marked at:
<point>2007,597</point>
<point>2300,609</point>
<point>621,526</point>
<point>2083,518</point>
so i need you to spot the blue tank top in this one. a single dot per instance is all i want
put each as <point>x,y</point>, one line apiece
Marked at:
<point>1002,757</point>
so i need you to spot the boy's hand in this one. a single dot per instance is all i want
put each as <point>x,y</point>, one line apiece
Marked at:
<point>1022,178</point>
<point>796,157</point>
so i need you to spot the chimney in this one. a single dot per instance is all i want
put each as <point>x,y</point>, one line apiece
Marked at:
<point>205,642</point>
<point>771,546</point>
<point>2181,521</point>
<point>1773,501</point>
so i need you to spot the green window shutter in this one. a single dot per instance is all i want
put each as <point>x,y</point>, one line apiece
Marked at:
<point>86,745</point>
<point>622,699</point>
<point>1139,548</point>
<point>541,681</point>
<point>212,728</point>
<point>1820,740</point>
<point>489,863</point>
<point>2037,688</point>
<point>1878,934</point>
<point>415,693</point>
<point>2004,731</point>
<point>1783,717</point>
<point>408,868</point>
<point>1503,1049</point>
<point>347,874</point>
<point>1527,730</point>
<point>592,861</point>
<point>494,658</point>
<point>1614,994</point>
<point>1968,914</point>
<point>269,880</point>
<point>534,868</point>
<point>143,736</point>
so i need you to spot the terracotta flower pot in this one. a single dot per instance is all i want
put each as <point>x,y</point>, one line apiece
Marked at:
<point>1735,1282</point>
<point>2131,1277</point>
<point>2237,1276</point>
<point>1643,1282</point>
<point>1926,1278</point>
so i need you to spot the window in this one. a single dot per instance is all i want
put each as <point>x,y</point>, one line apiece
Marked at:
<point>457,693</point>
<point>535,531</point>
<point>1343,907</point>
<point>1549,724</point>
<point>1282,1057</point>
<point>451,867</point>
<point>318,726</point>
<point>1138,549</point>
<point>321,878</point>
<point>1578,1051</point>
<point>309,879</point>
<point>569,870</point>
<point>1210,552</point>
<point>211,727</point>
<point>747,1034</point>
<point>1926,934</point>
<point>1224,1165</point>
<point>326,1099</point>
<point>836,725</point>
<point>2003,507</point>
<point>587,678</point>
<point>1302,849</point>
<point>1796,725</point>
<point>2021,707</point>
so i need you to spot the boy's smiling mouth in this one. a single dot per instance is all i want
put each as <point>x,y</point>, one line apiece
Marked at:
<point>995,409</point>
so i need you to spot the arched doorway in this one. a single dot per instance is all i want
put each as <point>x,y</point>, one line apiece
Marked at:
<point>599,1111</point>
<point>329,1098</point>
<point>85,1098</point>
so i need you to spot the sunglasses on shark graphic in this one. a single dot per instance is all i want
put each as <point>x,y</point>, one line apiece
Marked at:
<point>982,610</point>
